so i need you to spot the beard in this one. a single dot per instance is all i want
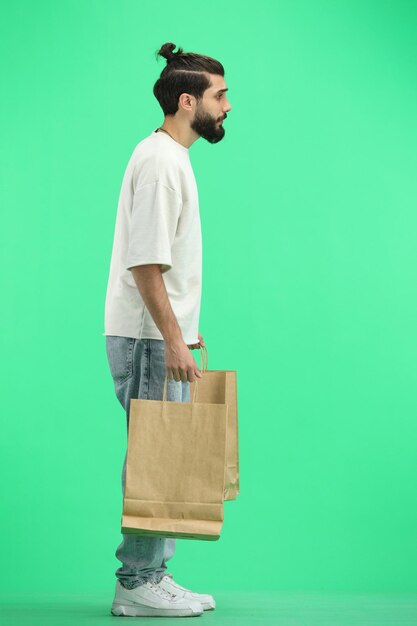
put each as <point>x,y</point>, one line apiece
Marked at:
<point>207,126</point>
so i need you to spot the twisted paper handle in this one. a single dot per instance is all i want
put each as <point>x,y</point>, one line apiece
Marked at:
<point>204,358</point>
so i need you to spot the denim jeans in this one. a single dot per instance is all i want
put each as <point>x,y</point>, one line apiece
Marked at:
<point>138,370</point>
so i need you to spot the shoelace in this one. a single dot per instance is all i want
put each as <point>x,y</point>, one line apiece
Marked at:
<point>167,595</point>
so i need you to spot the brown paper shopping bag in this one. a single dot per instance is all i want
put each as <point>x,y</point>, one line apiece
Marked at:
<point>220,386</point>
<point>175,468</point>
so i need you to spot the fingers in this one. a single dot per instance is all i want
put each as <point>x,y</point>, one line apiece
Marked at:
<point>200,344</point>
<point>193,374</point>
<point>176,374</point>
<point>183,375</point>
<point>170,374</point>
<point>179,374</point>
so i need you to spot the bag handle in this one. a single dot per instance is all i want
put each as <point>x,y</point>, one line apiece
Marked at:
<point>204,358</point>
<point>204,366</point>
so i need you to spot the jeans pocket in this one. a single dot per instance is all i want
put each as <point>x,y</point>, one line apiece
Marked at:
<point>120,357</point>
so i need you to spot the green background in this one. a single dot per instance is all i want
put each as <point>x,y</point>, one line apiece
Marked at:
<point>308,210</point>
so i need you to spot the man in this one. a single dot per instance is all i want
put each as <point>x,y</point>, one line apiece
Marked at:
<point>154,292</point>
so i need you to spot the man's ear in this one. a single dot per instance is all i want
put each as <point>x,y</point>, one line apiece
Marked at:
<point>186,101</point>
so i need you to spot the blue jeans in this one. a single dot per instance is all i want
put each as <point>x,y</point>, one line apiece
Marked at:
<point>138,370</point>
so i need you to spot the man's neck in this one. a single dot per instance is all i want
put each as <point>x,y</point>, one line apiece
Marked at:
<point>186,136</point>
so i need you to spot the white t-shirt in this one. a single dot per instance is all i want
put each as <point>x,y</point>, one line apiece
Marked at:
<point>158,221</point>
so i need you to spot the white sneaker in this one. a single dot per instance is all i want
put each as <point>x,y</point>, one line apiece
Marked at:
<point>168,584</point>
<point>151,600</point>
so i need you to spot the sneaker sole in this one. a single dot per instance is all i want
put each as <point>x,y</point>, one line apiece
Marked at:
<point>135,610</point>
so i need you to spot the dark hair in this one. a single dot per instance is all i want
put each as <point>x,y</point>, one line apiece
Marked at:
<point>184,73</point>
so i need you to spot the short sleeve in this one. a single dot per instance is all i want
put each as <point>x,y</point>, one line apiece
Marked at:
<point>155,212</point>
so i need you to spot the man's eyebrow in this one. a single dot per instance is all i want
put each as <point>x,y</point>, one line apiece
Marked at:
<point>221,90</point>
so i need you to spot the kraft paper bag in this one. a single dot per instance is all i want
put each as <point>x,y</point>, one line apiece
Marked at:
<point>175,468</point>
<point>220,386</point>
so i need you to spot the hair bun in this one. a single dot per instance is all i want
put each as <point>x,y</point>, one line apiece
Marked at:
<point>167,51</point>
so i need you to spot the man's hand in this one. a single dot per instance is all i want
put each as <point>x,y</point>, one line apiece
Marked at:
<point>180,363</point>
<point>198,345</point>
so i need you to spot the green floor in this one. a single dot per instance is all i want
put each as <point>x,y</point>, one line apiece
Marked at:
<point>233,607</point>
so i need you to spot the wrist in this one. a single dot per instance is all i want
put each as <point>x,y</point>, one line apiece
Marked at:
<point>174,340</point>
